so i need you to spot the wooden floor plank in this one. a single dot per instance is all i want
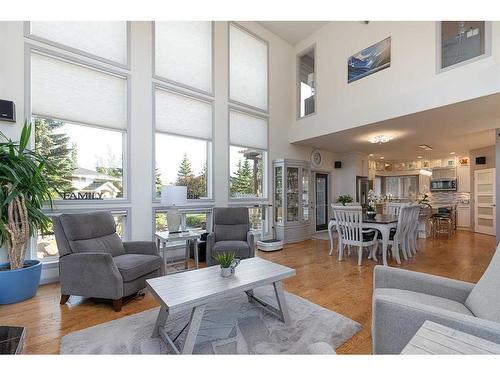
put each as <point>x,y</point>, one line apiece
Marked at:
<point>342,286</point>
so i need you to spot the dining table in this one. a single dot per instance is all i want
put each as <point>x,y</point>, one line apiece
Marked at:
<point>382,222</point>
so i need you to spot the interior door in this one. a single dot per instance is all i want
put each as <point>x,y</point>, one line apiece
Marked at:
<point>321,193</point>
<point>484,201</point>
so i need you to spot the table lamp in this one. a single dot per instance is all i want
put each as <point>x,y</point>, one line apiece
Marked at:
<point>173,196</point>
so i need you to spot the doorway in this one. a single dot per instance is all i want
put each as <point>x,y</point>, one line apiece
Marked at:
<point>485,201</point>
<point>322,201</point>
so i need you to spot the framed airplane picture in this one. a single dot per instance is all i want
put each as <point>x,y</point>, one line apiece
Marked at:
<point>369,61</point>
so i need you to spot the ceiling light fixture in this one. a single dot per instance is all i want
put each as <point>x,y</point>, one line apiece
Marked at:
<point>425,147</point>
<point>370,155</point>
<point>425,172</point>
<point>419,157</point>
<point>382,158</point>
<point>452,153</point>
<point>380,139</point>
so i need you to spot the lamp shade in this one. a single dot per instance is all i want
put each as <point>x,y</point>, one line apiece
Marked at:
<point>173,195</point>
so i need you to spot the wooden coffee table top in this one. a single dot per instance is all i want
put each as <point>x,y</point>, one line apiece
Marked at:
<point>184,290</point>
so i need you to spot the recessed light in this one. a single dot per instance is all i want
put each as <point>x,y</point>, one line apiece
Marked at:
<point>382,157</point>
<point>419,157</point>
<point>452,153</point>
<point>370,155</point>
<point>380,139</point>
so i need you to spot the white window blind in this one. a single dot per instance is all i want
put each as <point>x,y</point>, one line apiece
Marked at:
<point>246,130</point>
<point>248,68</point>
<point>182,115</point>
<point>64,90</point>
<point>183,53</point>
<point>107,40</point>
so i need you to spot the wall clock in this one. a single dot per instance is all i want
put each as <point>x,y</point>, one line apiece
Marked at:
<point>316,158</point>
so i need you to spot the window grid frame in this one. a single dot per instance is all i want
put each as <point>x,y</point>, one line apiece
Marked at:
<point>126,160</point>
<point>158,79</point>
<point>210,149</point>
<point>28,34</point>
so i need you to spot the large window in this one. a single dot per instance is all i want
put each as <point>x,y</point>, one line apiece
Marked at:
<point>183,53</point>
<point>247,155</point>
<point>183,143</point>
<point>80,117</point>
<point>402,187</point>
<point>248,65</point>
<point>102,40</point>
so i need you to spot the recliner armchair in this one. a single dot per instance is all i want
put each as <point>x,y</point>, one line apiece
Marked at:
<point>231,232</point>
<point>403,300</point>
<point>94,262</point>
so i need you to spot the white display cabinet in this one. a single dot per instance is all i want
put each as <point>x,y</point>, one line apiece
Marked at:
<point>291,195</point>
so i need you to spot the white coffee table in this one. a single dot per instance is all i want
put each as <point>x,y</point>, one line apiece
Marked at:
<point>195,289</point>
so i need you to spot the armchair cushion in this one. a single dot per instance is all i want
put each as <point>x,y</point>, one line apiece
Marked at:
<point>133,266</point>
<point>236,232</point>
<point>484,299</point>
<point>241,248</point>
<point>424,299</point>
<point>111,244</point>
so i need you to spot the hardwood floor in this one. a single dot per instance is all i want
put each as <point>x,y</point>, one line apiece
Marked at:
<point>340,286</point>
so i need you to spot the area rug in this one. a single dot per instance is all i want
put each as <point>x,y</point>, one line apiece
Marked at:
<point>234,326</point>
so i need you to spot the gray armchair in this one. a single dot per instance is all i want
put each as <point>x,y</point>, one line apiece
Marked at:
<point>231,232</point>
<point>403,300</point>
<point>94,262</point>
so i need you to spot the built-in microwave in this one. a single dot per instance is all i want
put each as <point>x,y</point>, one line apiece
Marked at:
<point>444,184</point>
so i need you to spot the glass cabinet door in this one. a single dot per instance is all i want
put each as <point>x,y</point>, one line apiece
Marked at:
<point>305,194</point>
<point>278,194</point>
<point>292,194</point>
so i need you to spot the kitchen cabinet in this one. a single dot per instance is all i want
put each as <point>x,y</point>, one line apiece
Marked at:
<point>463,217</point>
<point>463,179</point>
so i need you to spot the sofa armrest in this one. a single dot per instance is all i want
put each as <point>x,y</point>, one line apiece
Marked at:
<point>141,247</point>
<point>389,277</point>
<point>90,275</point>
<point>210,245</point>
<point>251,243</point>
<point>395,322</point>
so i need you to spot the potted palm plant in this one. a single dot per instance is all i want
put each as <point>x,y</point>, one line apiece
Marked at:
<point>23,192</point>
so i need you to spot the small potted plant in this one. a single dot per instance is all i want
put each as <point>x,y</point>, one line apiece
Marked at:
<point>227,262</point>
<point>371,209</point>
<point>23,192</point>
<point>344,199</point>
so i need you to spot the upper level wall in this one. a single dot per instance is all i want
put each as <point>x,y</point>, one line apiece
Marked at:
<point>411,84</point>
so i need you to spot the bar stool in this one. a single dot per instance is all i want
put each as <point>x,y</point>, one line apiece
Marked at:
<point>442,225</point>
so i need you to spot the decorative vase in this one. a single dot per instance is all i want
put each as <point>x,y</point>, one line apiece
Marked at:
<point>226,272</point>
<point>371,214</point>
<point>19,284</point>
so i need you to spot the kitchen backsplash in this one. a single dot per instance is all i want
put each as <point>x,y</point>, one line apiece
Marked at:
<point>447,197</point>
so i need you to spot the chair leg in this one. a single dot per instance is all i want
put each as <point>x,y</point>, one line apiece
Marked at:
<point>395,252</point>
<point>64,299</point>
<point>360,255</point>
<point>117,304</point>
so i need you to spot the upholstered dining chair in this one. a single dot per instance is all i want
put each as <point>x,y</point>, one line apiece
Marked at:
<point>94,262</point>
<point>403,300</point>
<point>349,220</point>
<point>230,232</point>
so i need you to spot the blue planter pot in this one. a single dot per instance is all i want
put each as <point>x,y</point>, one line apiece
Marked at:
<point>19,285</point>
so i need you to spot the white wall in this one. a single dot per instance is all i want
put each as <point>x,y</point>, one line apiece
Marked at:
<point>409,85</point>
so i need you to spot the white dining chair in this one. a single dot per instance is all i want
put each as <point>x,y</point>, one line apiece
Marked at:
<point>413,230</point>
<point>398,239</point>
<point>394,207</point>
<point>349,220</point>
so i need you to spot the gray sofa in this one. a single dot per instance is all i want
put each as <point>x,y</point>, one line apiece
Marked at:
<point>94,262</point>
<point>403,300</point>
<point>230,232</point>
